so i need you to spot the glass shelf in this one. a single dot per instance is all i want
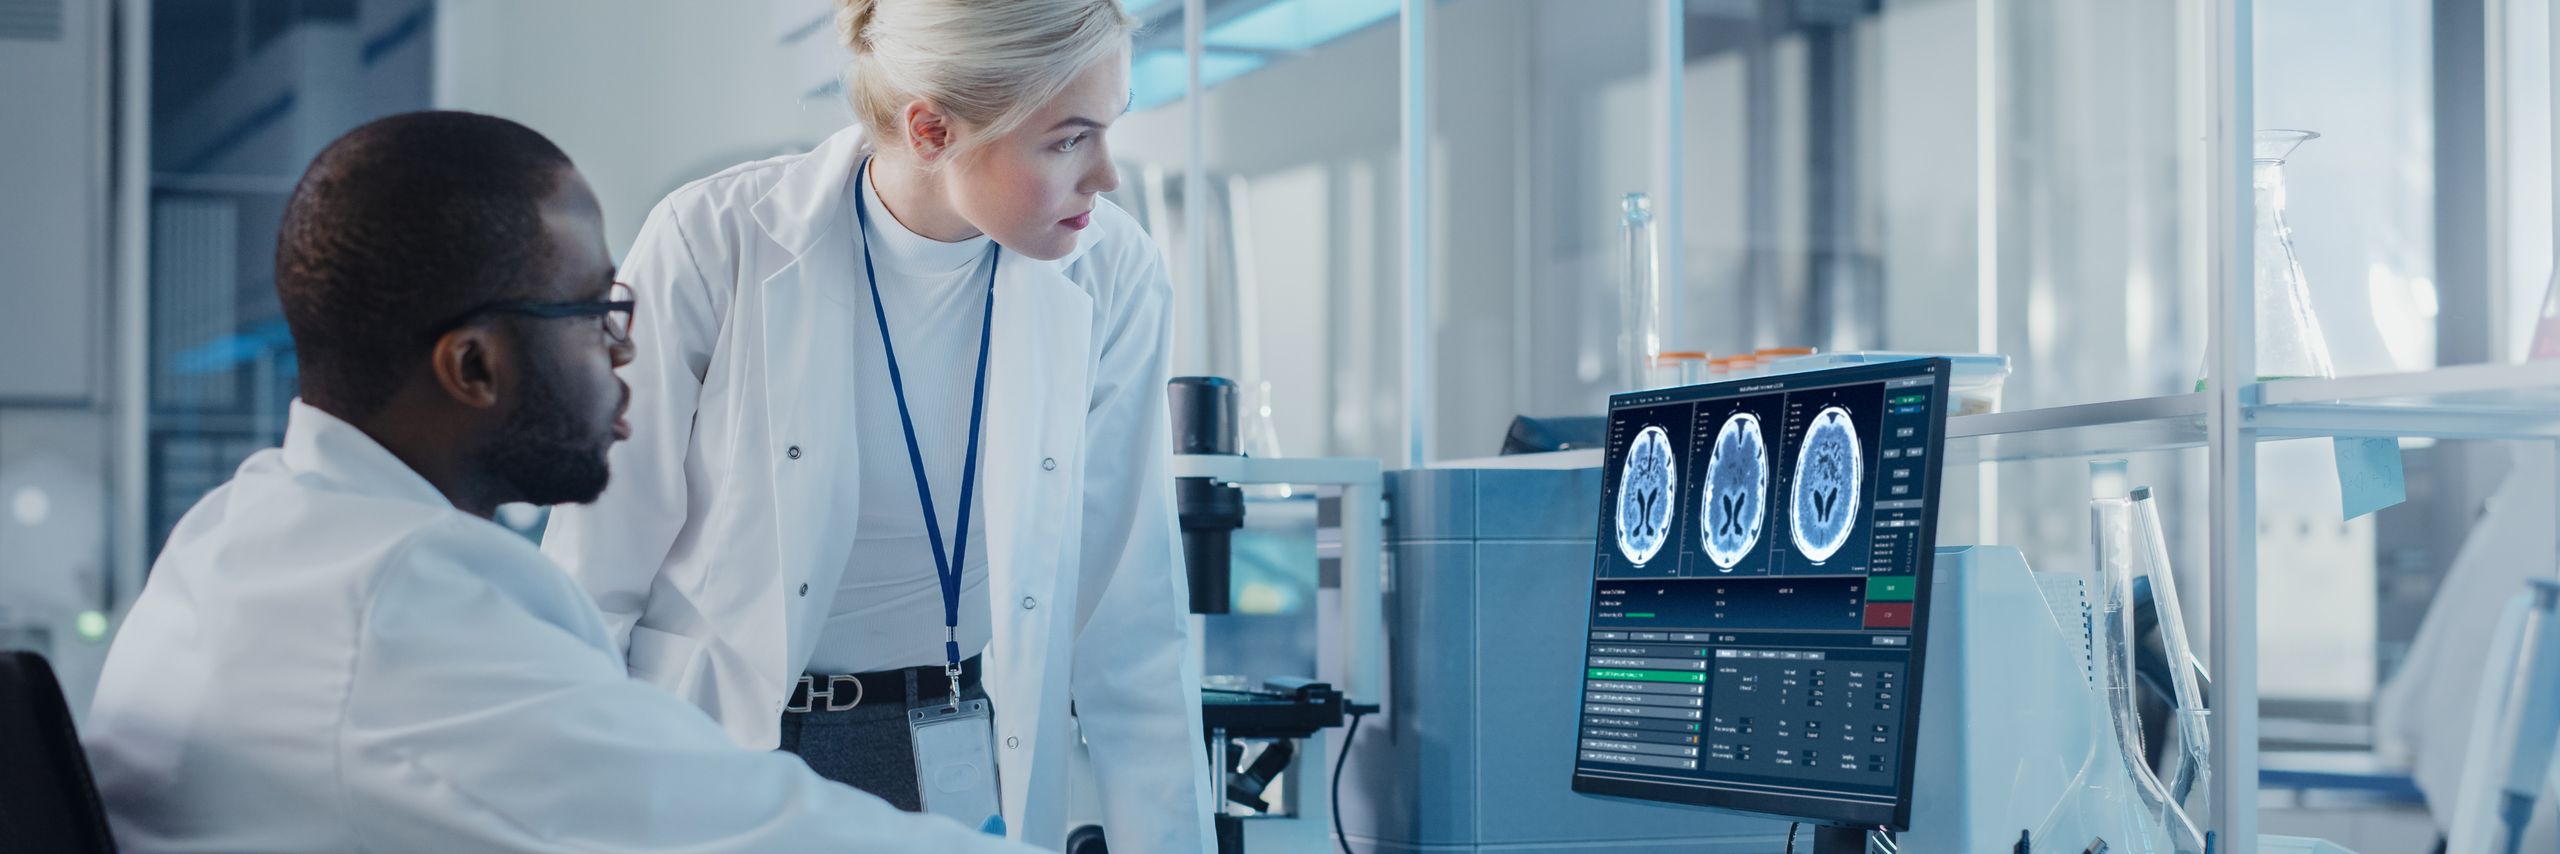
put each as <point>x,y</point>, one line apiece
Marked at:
<point>2083,430</point>
<point>2519,401</point>
<point>2466,402</point>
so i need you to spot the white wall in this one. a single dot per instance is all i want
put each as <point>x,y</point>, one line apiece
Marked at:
<point>644,94</point>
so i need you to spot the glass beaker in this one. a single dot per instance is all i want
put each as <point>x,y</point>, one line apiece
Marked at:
<point>2290,345</point>
<point>1639,295</point>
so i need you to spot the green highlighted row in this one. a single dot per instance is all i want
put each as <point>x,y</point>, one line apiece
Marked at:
<point>1649,675</point>
<point>1889,588</point>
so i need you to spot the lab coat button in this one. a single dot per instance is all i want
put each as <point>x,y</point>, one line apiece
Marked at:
<point>1011,742</point>
<point>793,453</point>
<point>1028,603</point>
<point>804,589</point>
<point>1048,463</point>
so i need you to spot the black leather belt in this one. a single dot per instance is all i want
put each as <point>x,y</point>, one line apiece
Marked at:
<point>845,691</point>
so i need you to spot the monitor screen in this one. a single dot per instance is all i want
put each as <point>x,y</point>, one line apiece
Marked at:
<point>1760,593</point>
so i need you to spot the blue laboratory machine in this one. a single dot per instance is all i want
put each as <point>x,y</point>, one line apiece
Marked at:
<point>1768,639</point>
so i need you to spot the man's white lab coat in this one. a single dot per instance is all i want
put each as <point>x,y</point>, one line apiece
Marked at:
<point>330,657</point>
<point>717,551</point>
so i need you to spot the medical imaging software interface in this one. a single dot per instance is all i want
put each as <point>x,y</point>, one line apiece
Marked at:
<point>1759,590</point>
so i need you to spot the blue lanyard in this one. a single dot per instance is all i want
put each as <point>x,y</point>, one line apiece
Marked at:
<point>947,563</point>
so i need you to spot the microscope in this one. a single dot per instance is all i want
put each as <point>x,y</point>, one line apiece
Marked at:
<point>1267,742</point>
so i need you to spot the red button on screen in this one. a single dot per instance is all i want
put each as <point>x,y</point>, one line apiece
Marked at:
<point>1889,615</point>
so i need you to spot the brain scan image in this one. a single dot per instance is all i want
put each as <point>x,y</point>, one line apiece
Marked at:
<point>1826,485</point>
<point>1646,485</point>
<point>1737,491</point>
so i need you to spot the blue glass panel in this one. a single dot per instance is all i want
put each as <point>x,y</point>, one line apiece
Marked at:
<point>1292,25</point>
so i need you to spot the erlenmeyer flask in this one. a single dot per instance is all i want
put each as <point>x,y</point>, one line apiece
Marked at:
<point>2290,345</point>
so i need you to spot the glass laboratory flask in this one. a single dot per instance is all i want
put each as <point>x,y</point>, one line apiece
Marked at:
<point>2192,761</point>
<point>2290,345</point>
<point>1262,441</point>
<point>2153,822</point>
<point>1639,295</point>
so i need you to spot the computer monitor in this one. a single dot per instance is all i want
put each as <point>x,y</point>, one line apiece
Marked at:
<point>1760,594</point>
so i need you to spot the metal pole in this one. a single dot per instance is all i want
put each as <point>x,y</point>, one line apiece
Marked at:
<point>1417,233</point>
<point>1195,189</point>
<point>1986,229</point>
<point>1671,61</point>
<point>132,466</point>
<point>2229,221</point>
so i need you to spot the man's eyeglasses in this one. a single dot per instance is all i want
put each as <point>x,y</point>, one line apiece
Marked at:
<point>614,310</point>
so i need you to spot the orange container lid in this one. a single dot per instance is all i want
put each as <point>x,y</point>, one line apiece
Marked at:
<point>1781,352</point>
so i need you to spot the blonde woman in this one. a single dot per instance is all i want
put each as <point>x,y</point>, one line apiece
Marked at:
<point>898,428</point>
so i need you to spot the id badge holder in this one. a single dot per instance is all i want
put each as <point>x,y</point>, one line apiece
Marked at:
<point>956,761</point>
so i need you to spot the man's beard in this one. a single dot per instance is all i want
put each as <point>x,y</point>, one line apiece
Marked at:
<point>543,453</point>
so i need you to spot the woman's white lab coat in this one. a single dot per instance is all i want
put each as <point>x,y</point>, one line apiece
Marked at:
<point>715,553</point>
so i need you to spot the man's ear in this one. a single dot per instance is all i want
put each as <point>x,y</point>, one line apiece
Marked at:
<point>467,364</point>
<point>928,130</point>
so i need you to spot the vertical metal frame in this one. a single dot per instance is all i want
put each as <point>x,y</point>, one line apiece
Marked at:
<point>130,548</point>
<point>1414,56</point>
<point>2229,221</point>
<point>1986,230</point>
<point>1670,166</point>
<point>1195,188</point>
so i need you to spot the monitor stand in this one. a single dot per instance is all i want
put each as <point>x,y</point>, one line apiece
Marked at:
<point>1839,840</point>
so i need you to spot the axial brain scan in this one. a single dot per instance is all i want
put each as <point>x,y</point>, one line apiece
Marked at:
<point>1737,493</point>
<point>1645,494</point>
<point>1826,485</point>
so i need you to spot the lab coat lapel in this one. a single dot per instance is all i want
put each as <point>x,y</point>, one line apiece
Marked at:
<point>809,338</point>
<point>1036,384</point>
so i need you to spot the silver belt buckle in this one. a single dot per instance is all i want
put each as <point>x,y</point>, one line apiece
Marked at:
<point>824,699</point>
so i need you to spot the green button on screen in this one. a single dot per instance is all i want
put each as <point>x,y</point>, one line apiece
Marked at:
<point>1896,588</point>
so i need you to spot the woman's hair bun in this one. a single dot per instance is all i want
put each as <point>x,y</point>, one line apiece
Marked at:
<point>853,17</point>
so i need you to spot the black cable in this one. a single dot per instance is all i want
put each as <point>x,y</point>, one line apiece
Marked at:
<point>1791,837</point>
<point>1343,759</point>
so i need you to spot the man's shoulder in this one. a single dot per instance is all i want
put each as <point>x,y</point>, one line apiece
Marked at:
<point>476,560</point>
<point>275,522</point>
<point>283,519</point>
<point>462,543</point>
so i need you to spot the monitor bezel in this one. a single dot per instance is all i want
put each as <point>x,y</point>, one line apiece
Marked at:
<point>1897,817</point>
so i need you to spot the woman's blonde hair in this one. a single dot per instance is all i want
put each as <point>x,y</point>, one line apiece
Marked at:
<point>987,63</point>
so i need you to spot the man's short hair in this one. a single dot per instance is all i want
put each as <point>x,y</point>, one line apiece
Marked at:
<point>400,228</point>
